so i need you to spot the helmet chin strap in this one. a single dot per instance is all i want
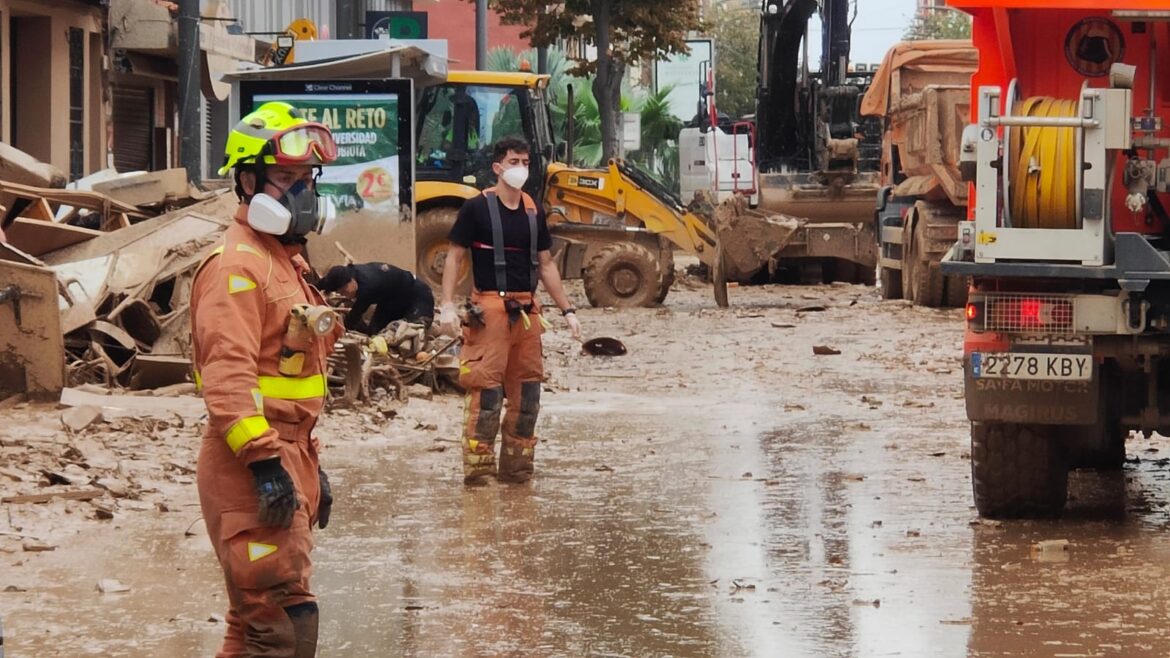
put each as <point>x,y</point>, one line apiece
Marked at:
<point>260,170</point>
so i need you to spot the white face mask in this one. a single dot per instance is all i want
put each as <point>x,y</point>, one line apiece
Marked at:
<point>515,177</point>
<point>267,215</point>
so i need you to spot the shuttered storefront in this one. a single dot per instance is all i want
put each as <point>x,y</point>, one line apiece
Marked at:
<point>133,128</point>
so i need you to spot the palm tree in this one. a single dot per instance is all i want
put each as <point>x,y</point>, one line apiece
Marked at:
<point>660,129</point>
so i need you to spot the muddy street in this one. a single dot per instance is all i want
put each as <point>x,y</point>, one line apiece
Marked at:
<point>721,490</point>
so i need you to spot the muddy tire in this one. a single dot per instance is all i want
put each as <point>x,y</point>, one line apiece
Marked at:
<point>1095,446</point>
<point>1017,471</point>
<point>867,276</point>
<point>1100,446</point>
<point>667,277</point>
<point>956,295</point>
<point>430,239</point>
<point>623,275</point>
<point>891,283</point>
<point>922,280</point>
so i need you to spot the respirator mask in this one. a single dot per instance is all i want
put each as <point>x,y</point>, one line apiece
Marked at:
<point>291,217</point>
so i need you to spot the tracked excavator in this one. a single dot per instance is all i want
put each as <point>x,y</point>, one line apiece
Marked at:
<point>614,227</point>
<point>806,152</point>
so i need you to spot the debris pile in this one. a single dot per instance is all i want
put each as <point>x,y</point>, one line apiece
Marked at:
<point>98,280</point>
<point>403,355</point>
<point>94,466</point>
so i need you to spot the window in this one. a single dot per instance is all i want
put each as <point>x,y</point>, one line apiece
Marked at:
<point>459,124</point>
<point>76,103</point>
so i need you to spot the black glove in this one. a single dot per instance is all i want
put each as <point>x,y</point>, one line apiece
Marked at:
<point>278,496</point>
<point>326,505</point>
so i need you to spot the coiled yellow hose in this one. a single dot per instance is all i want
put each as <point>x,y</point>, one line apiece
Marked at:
<point>1043,167</point>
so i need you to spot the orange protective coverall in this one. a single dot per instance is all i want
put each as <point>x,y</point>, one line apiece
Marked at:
<point>240,309</point>
<point>501,360</point>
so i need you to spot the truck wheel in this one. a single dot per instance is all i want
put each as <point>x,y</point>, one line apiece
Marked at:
<point>623,275</point>
<point>891,283</point>
<point>866,276</point>
<point>667,277</point>
<point>956,296</point>
<point>1017,471</point>
<point>922,280</point>
<point>1101,445</point>
<point>430,239</point>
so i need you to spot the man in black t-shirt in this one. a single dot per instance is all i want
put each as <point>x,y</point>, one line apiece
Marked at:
<point>508,240</point>
<point>394,293</point>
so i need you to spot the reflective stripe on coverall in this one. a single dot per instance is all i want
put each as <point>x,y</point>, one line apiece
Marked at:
<point>240,307</point>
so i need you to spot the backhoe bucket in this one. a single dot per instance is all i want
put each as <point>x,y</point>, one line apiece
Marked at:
<point>749,239</point>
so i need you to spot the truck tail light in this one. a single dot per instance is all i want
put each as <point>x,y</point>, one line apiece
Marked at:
<point>1023,313</point>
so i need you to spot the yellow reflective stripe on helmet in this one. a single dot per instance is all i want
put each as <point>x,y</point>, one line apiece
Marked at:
<point>245,430</point>
<point>292,388</point>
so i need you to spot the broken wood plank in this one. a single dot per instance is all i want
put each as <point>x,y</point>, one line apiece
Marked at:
<point>36,237</point>
<point>38,209</point>
<point>75,198</point>
<point>75,494</point>
<point>115,221</point>
<point>153,187</point>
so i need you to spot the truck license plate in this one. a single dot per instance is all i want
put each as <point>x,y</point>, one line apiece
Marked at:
<point>1023,365</point>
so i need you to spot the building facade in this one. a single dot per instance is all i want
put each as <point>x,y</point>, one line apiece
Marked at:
<point>52,82</point>
<point>453,20</point>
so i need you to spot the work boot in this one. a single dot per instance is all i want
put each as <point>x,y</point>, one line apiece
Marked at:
<point>479,462</point>
<point>516,461</point>
<point>304,618</point>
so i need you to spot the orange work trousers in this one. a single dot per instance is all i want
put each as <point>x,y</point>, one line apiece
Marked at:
<point>272,611</point>
<point>501,360</point>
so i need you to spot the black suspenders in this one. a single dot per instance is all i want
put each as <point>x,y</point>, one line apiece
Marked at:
<point>498,259</point>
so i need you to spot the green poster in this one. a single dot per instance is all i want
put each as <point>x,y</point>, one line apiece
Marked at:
<point>365,127</point>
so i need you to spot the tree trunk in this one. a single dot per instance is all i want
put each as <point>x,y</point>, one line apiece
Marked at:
<point>607,85</point>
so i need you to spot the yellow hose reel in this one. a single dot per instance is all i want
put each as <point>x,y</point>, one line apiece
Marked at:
<point>1043,167</point>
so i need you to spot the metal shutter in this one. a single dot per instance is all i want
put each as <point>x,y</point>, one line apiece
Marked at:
<point>133,128</point>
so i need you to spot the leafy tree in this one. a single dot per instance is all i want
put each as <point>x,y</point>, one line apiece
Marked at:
<point>623,32</point>
<point>737,44</point>
<point>939,24</point>
<point>659,153</point>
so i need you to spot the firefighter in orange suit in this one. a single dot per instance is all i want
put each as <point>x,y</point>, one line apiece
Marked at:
<point>261,335</point>
<point>509,242</point>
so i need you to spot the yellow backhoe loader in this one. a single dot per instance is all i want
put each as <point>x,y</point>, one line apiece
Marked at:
<point>614,227</point>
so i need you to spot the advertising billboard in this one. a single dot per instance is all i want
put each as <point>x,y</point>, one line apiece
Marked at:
<point>366,192</point>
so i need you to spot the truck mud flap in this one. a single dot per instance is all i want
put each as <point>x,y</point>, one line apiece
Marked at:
<point>1031,401</point>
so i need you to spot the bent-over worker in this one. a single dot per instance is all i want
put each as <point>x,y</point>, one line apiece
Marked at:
<point>509,242</point>
<point>394,293</point>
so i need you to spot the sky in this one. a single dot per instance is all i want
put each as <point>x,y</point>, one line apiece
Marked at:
<point>879,25</point>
